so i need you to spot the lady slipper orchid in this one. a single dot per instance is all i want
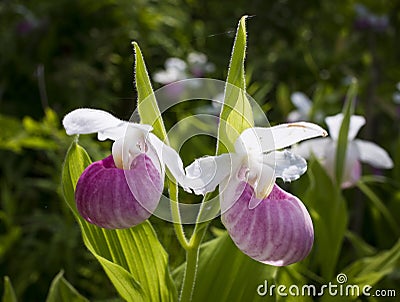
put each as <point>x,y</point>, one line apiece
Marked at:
<point>303,107</point>
<point>265,222</point>
<point>357,150</point>
<point>123,189</point>
<point>303,111</point>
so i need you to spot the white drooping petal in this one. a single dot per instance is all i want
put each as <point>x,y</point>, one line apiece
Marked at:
<point>170,158</point>
<point>335,122</point>
<point>277,137</point>
<point>317,146</point>
<point>374,155</point>
<point>288,166</point>
<point>86,121</point>
<point>229,188</point>
<point>206,173</point>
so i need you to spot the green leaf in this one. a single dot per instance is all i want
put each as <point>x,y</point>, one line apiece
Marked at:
<point>380,206</point>
<point>329,214</point>
<point>288,276</point>
<point>236,114</point>
<point>62,291</point>
<point>367,271</point>
<point>361,247</point>
<point>370,270</point>
<point>133,259</point>
<point>147,103</point>
<point>341,150</point>
<point>9,294</point>
<point>225,274</point>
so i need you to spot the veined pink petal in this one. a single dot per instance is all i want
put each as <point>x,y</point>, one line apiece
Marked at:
<point>104,198</point>
<point>279,231</point>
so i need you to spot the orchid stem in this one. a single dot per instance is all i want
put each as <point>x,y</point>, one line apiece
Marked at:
<point>176,216</point>
<point>192,255</point>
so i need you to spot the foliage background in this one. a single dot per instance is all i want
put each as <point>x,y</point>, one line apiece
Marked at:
<point>59,55</point>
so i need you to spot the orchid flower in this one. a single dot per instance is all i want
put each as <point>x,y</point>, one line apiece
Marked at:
<point>175,70</point>
<point>199,65</point>
<point>265,222</point>
<point>123,189</point>
<point>303,109</point>
<point>396,95</point>
<point>357,150</point>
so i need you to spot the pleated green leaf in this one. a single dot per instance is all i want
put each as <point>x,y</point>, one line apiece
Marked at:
<point>133,259</point>
<point>8,293</point>
<point>62,291</point>
<point>236,114</point>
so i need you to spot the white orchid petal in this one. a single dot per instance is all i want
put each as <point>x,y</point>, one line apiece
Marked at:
<point>85,121</point>
<point>287,166</point>
<point>231,188</point>
<point>126,129</point>
<point>132,143</point>
<point>317,146</point>
<point>263,185</point>
<point>277,137</point>
<point>374,155</point>
<point>335,122</point>
<point>352,166</point>
<point>113,133</point>
<point>295,116</point>
<point>301,102</point>
<point>206,173</point>
<point>170,158</point>
<point>356,122</point>
<point>352,174</point>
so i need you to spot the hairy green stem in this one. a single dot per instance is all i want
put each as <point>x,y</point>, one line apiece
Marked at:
<point>192,255</point>
<point>176,216</point>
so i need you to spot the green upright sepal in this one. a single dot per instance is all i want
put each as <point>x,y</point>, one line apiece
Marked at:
<point>236,114</point>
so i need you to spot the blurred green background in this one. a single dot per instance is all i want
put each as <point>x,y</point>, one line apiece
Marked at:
<point>56,56</point>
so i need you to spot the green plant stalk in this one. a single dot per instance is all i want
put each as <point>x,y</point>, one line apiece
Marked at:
<point>176,216</point>
<point>192,256</point>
